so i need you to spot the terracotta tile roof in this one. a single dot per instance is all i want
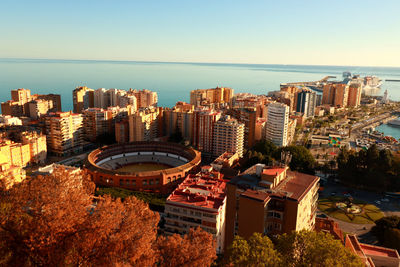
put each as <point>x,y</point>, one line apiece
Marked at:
<point>200,190</point>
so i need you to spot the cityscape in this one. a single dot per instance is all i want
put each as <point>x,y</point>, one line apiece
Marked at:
<point>156,138</point>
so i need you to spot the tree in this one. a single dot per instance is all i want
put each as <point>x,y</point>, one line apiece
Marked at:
<point>53,220</point>
<point>302,159</point>
<point>387,230</point>
<point>309,248</point>
<point>363,168</point>
<point>56,220</point>
<point>257,251</point>
<point>195,249</point>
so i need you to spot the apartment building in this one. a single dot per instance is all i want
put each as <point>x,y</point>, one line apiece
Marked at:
<point>354,98</point>
<point>203,129</point>
<point>335,94</point>
<point>228,136</point>
<point>122,131</point>
<point>83,98</point>
<point>277,124</point>
<point>270,200</point>
<point>65,134</point>
<point>97,122</point>
<point>247,116</point>
<point>143,125</point>
<point>179,118</point>
<point>145,98</point>
<point>290,96</point>
<point>306,102</point>
<point>199,201</point>
<point>22,145</point>
<point>206,97</point>
<point>22,103</point>
<point>39,107</point>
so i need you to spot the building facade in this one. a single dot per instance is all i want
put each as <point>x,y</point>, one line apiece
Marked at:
<point>203,129</point>
<point>83,98</point>
<point>276,130</point>
<point>143,125</point>
<point>64,131</point>
<point>179,118</point>
<point>206,97</point>
<point>335,94</point>
<point>228,136</point>
<point>199,201</point>
<point>270,200</point>
<point>247,116</point>
<point>306,102</point>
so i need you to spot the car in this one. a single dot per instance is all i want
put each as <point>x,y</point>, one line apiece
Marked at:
<point>385,200</point>
<point>333,194</point>
<point>347,195</point>
<point>377,202</point>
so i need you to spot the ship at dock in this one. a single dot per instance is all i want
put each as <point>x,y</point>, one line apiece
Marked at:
<point>395,122</point>
<point>371,85</point>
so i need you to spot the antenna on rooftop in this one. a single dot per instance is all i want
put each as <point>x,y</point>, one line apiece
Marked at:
<point>286,157</point>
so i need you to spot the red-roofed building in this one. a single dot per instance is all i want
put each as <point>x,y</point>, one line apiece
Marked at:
<point>200,200</point>
<point>270,200</point>
<point>373,255</point>
<point>329,226</point>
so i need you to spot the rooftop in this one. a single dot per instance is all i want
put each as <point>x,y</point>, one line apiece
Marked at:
<point>273,171</point>
<point>201,190</point>
<point>294,186</point>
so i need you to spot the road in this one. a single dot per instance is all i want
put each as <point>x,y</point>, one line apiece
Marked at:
<point>362,230</point>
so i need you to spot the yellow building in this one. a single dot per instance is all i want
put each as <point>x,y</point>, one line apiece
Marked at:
<point>206,97</point>
<point>64,132</point>
<point>83,98</point>
<point>143,125</point>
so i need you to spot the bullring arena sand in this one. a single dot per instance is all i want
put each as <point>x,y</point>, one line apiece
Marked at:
<point>143,167</point>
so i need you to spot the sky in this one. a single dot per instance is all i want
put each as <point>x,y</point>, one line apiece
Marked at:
<point>307,32</point>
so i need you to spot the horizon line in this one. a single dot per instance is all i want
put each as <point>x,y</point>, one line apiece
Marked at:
<point>191,62</point>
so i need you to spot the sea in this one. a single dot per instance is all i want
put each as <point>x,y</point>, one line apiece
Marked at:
<point>390,130</point>
<point>173,81</point>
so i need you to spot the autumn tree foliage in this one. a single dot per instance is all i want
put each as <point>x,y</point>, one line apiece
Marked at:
<point>257,251</point>
<point>55,220</point>
<point>310,248</point>
<point>298,249</point>
<point>194,249</point>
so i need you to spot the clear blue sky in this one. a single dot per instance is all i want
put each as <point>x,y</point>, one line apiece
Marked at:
<point>340,32</point>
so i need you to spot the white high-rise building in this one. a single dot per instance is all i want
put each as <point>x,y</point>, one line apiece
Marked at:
<point>277,124</point>
<point>228,136</point>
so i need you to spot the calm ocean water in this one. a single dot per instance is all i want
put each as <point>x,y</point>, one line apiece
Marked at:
<point>387,129</point>
<point>172,81</point>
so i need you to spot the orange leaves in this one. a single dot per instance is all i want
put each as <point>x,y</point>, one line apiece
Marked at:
<point>55,220</point>
<point>194,249</point>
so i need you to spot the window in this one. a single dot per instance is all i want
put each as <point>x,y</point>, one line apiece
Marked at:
<point>151,182</point>
<point>133,182</point>
<point>157,181</point>
<point>144,182</point>
<point>274,214</point>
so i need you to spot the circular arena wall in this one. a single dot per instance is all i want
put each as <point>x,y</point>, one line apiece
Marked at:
<point>103,163</point>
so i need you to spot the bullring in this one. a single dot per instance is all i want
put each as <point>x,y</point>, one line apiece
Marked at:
<point>124,165</point>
